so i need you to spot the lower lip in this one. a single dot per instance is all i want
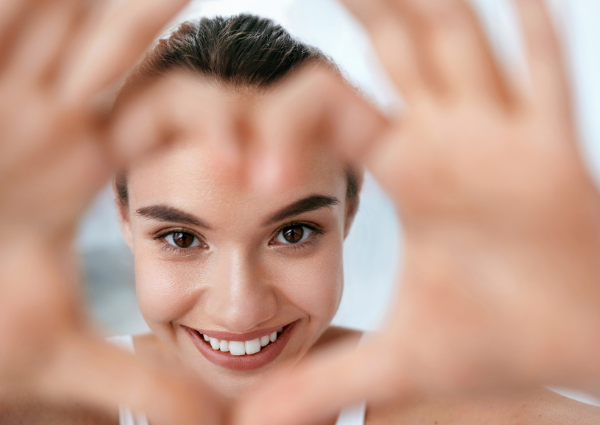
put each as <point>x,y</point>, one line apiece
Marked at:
<point>265,356</point>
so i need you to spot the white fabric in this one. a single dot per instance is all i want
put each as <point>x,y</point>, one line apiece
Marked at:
<point>354,415</point>
<point>126,416</point>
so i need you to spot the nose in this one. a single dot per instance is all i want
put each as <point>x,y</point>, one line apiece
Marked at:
<point>239,298</point>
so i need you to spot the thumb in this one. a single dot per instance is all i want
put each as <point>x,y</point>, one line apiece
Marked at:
<point>320,386</point>
<point>316,107</point>
<point>89,371</point>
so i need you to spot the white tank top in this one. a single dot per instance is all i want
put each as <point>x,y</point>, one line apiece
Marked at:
<point>348,416</point>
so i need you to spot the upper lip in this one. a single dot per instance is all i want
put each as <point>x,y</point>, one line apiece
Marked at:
<point>231,336</point>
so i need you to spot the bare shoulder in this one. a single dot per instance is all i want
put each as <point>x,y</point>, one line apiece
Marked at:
<point>149,347</point>
<point>23,409</point>
<point>540,407</point>
<point>338,334</point>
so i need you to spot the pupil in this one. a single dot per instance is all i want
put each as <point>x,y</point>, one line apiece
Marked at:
<point>183,240</point>
<point>293,234</point>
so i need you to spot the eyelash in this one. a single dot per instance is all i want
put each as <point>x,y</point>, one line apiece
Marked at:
<point>309,241</point>
<point>174,249</point>
<point>184,251</point>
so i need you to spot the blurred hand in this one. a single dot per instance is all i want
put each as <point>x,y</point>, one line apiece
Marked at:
<point>501,222</point>
<point>57,60</point>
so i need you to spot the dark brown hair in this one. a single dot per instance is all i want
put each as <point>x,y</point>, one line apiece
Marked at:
<point>242,51</point>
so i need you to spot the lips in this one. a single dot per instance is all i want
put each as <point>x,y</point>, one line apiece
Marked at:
<point>248,351</point>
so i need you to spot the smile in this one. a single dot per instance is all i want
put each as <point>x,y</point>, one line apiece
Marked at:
<point>247,351</point>
<point>240,348</point>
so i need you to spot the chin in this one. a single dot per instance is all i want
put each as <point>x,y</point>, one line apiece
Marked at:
<point>233,383</point>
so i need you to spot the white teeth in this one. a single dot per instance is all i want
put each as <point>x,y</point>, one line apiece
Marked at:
<point>253,347</point>
<point>237,348</point>
<point>224,345</point>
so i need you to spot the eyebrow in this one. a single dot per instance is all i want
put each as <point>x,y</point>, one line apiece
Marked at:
<point>310,203</point>
<point>166,213</point>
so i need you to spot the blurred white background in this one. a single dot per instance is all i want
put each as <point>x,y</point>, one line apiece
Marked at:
<point>373,247</point>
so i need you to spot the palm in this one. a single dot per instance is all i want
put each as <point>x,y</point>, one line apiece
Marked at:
<point>53,157</point>
<point>499,217</point>
<point>474,160</point>
<point>50,170</point>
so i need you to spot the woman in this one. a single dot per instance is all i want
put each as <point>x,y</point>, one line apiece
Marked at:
<point>236,285</point>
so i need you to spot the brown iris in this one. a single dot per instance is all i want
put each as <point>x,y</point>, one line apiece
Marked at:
<point>183,240</point>
<point>293,234</point>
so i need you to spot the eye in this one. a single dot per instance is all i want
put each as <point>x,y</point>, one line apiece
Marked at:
<point>293,234</point>
<point>182,240</point>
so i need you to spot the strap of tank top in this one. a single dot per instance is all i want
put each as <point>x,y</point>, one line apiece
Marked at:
<point>353,415</point>
<point>126,416</point>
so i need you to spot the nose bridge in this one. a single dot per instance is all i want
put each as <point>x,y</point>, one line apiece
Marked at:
<point>239,299</point>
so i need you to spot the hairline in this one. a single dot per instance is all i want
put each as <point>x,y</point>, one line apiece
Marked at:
<point>149,71</point>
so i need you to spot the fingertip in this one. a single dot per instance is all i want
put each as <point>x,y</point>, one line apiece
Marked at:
<point>266,174</point>
<point>316,390</point>
<point>227,153</point>
<point>131,136</point>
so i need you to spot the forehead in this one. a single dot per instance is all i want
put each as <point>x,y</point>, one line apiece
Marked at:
<point>190,176</point>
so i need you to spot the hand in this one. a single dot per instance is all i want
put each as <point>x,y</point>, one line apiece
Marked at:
<point>58,58</point>
<point>501,279</point>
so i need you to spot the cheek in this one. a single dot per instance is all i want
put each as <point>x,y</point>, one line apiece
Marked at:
<point>163,289</point>
<point>314,284</point>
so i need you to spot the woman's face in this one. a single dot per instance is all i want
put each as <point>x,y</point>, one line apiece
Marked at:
<point>215,259</point>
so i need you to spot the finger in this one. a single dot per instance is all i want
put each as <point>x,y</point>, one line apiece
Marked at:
<point>316,107</point>
<point>318,388</point>
<point>88,371</point>
<point>44,36</point>
<point>177,107</point>
<point>456,48</point>
<point>546,64</point>
<point>13,14</point>
<point>393,44</point>
<point>115,45</point>
<point>48,351</point>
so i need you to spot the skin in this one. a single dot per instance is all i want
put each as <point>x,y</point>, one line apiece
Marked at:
<point>49,173</point>
<point>456,221</point>
<point>239,280</point>
<point>501,281</point>
<point>209,287</point>
<point>241,277</point>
